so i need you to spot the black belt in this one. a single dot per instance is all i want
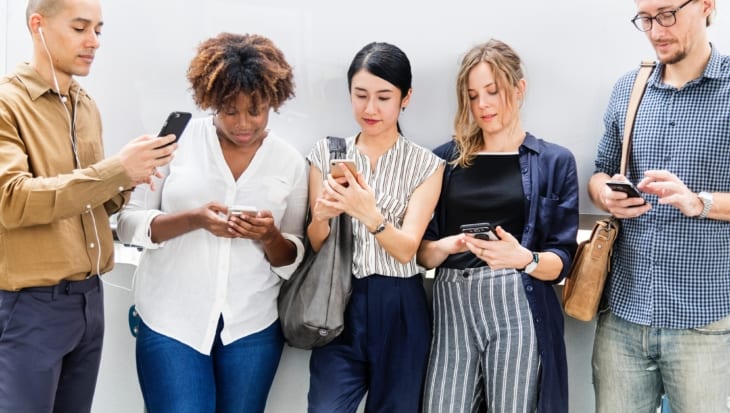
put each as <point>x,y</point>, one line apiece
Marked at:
<point>68,287</point>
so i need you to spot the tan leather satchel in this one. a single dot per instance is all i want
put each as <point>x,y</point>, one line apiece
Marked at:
<point>583,287</point>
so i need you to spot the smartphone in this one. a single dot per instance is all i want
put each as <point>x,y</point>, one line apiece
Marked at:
<point>335,167</point>
<point>175,124</point>
<point>242,210</point>
<point>626,187</point>
<point>481,230</point>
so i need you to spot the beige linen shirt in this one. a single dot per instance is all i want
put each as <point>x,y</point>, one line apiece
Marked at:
<point>54,214</point>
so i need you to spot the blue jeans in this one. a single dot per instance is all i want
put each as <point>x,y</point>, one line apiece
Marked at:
<point>634,364</point>
<point>234,378</point>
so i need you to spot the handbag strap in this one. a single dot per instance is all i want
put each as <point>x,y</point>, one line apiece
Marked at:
<point>637,92</point>
<point>337,146</point>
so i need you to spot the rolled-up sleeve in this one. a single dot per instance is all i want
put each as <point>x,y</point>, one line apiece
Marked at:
<point>293,221</point>
<point>133,224</point>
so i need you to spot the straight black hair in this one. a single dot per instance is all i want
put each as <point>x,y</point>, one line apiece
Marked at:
<point>385,61</point>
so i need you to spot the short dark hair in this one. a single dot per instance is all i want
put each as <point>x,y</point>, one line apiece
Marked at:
<point>229,64</point>
<point>46,8</point>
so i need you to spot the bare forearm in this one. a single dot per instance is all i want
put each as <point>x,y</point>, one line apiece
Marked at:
<point>595,186</point>
<point>720,207</point>
<point>431,255</point>
<point>168,226</point>
<point>280,251</point>
<point>398,243</point>
<point>318,231</point>
<point>548,267</point>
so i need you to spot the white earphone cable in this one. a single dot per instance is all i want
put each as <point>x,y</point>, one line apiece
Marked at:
<point>72,136</point>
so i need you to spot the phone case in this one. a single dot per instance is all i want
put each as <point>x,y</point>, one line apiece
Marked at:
<point>482,230</point>
<point>175,124</point>
<point>626,187</point>
<point>335,167</point>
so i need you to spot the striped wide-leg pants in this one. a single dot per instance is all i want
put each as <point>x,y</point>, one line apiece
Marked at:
<point>484,353</point>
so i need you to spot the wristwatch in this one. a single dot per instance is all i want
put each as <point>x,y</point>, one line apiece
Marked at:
<point>706,199</point>
<point>533,264</point>
<point>380,228</point>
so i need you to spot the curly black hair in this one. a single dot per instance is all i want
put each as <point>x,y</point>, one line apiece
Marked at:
<point>230,64</point>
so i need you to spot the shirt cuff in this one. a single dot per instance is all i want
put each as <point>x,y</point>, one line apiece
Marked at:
<point>286,271</point>
<point>142,236</point>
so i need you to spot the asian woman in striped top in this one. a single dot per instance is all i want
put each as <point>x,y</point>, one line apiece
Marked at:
<point>383,349</point>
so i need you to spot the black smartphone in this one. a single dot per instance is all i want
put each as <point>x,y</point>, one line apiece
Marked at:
<point>626,187</point>
<point>175,124</point>
<point>481,230</point>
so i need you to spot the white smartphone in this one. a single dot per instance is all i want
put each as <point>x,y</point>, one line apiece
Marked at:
<point>335,167</point>
<point>242,210</point>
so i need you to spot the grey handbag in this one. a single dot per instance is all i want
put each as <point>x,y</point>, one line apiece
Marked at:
<point>312,301</point>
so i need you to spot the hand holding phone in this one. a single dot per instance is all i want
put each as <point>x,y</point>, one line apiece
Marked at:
<point>481,230</point>
<point>337,172</point>
<point>175,125</point>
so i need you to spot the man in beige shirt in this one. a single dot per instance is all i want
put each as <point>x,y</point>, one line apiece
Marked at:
<point>56,194</point>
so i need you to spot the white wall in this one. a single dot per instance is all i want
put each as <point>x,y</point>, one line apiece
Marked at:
<point>573,51</point>
<point>3,34</point>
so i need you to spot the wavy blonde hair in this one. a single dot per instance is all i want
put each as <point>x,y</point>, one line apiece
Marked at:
<point>507,68</point>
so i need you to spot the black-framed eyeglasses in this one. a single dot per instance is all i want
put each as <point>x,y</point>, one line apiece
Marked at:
<point>666,18</point>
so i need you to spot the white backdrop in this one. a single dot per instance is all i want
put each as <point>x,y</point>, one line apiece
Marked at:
<point>573,51</point>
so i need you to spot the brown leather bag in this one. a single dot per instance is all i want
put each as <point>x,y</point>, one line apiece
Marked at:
<point>583,287</point>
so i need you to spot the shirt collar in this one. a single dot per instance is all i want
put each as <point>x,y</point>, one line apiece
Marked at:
<point>531,143</point>
<point>717,68</point>
<point>36,85</point>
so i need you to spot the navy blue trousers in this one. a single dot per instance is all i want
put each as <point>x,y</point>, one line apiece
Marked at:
<point>383,350</point>
<point>50,347</point>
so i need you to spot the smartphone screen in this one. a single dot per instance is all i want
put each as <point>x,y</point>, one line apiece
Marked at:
<point>175,124</point>
<point>482,230</point>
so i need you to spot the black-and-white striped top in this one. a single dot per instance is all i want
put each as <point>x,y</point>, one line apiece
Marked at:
<point>398,172</point>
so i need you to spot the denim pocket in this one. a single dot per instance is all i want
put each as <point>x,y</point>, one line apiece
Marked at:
<point>721,326</point>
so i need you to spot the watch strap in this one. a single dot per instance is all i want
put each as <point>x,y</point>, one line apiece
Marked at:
<point>380,228</point>
<point>706,199</point>
<point>533,264</point>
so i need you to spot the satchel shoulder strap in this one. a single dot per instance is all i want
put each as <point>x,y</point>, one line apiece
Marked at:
<point>337,146</point>
<point>637,92</point>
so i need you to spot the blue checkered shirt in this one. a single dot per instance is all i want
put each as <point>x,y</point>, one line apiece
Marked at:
<point>669,270</point>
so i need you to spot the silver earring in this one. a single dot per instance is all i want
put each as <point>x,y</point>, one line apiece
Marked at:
<point>403,109</point>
